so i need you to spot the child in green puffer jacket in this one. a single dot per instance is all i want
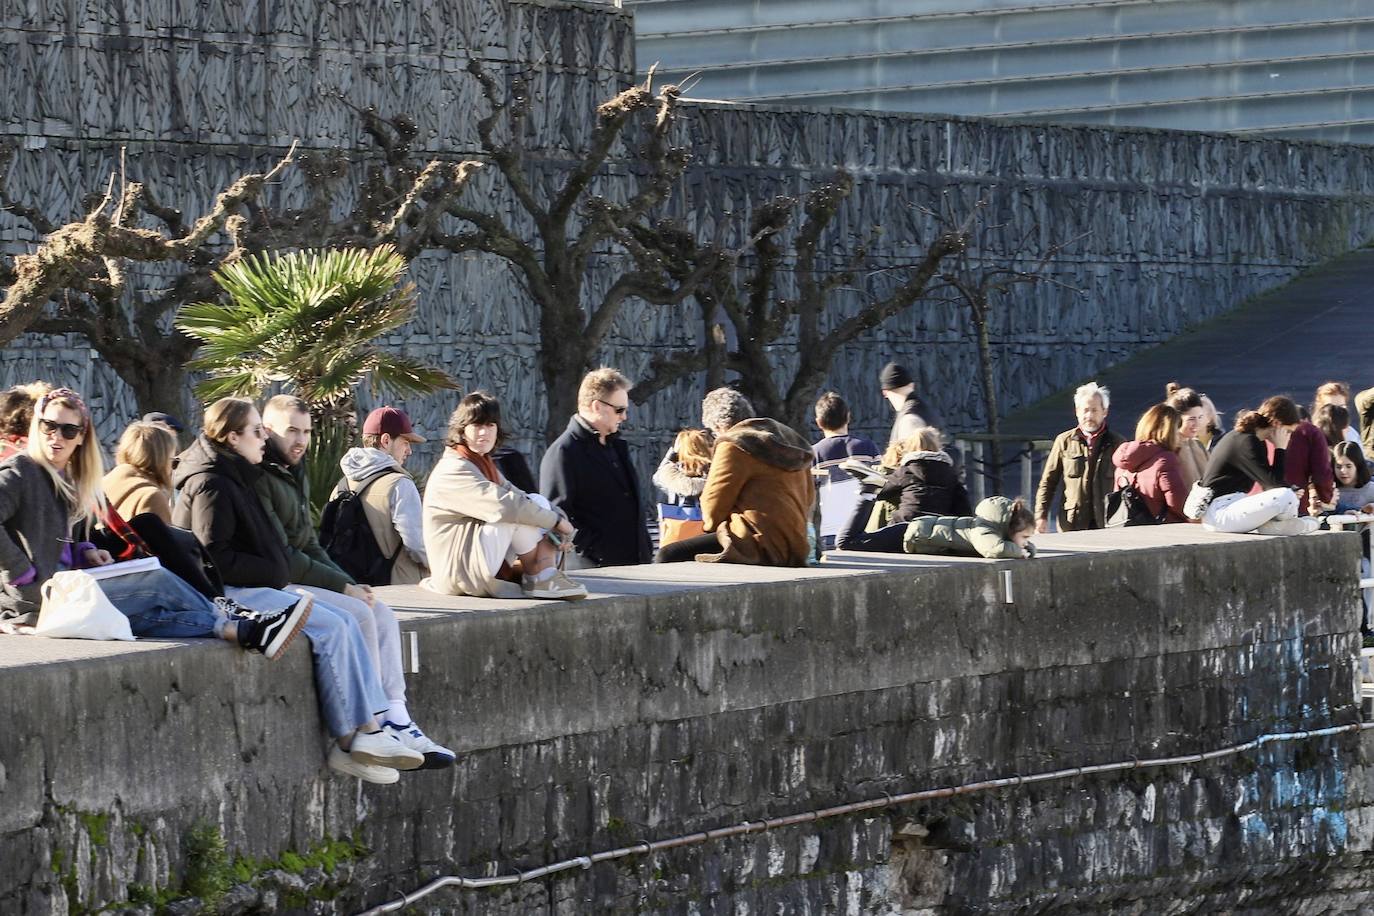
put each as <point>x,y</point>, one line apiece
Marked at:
<point>999,529</point>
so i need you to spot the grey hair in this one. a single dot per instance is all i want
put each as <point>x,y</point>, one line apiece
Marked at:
<point>723,408</point>
<point>1086,392</point>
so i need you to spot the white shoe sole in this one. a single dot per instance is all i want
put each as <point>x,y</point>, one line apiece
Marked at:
<point>377,775</point>
<point>282,641</point>
<point>404,759</point>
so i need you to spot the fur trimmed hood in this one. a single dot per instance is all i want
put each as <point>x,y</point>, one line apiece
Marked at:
<point>770,442</point>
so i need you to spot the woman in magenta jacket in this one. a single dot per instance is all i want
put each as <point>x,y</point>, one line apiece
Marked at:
<point>1151,462</point>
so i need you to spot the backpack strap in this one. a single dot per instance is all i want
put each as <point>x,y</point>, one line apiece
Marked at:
<point>367,484</point>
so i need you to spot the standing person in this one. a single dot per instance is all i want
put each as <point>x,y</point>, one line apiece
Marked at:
<point>285,493</point>
<point>587,475</point>
<point>48,495</point>
<point>757,500</point>
<point>1242,460</point>
<point>479,525</point>
<point>392,501</point>
<point>215,477</point>
<point>1080,463</point>
<point>1150,462</point>
<point>837,443</point>
<point>1192,416</point>
<point>899,390</point>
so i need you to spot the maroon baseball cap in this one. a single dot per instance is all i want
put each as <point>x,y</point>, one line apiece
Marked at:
<point>391,420</point>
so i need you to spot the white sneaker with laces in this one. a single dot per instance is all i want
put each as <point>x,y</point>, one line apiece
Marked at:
<point>436,755</point>
<point>341,762</point>
<point>383,749</point>
<point>556,586</point>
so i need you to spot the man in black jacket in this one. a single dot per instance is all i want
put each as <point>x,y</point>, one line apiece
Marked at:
<point>587,474</point>
<point>913,414</point>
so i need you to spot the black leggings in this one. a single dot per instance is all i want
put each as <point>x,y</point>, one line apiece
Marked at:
<point>853,536</point>
<point>686,550</point>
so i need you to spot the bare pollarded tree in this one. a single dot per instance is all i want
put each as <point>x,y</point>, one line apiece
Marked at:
<point>742,295</point>
<point>99,277</point>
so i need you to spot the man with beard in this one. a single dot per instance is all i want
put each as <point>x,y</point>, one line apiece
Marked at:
<point>285,494</point>
<point>1080,461</point>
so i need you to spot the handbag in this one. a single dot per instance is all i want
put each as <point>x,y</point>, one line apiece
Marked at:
<point>677,523</point>
<point>1199,498</point>
<point>1126,507</point>
<point>74,607</point>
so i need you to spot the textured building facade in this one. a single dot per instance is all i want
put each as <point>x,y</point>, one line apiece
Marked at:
<point>1250,66</point>
<point>1175,227</point>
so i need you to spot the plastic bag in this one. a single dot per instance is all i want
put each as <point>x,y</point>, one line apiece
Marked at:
<point>74,607</point>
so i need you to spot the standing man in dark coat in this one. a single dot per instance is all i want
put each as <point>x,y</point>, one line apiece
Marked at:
<point>913,414</point>
<point>1081,462</point>
<point>587,474</point>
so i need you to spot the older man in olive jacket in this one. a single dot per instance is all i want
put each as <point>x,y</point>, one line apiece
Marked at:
<point>1080,462</point>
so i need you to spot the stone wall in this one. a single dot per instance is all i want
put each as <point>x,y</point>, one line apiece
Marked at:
<point>1178,227</point>
<point>670,703</point>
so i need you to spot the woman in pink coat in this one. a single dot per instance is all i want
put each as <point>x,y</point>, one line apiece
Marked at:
<point>1151,463</point>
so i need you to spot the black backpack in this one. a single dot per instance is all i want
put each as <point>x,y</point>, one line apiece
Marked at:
<point>1127,508</point>
<point>348,539</point>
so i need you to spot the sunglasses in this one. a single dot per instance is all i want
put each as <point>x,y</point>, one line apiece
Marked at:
<point>69,430</point>
<point>619,411</point>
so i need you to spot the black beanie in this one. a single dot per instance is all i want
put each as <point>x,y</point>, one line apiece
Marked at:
<point>894,376</point>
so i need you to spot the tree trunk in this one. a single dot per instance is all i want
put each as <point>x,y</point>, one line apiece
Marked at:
<point>158,380</point>
<point>994,451</point>
<point>565,355</point>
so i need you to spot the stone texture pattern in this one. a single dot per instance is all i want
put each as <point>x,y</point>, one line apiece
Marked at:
<point>1179,227</point>
<point>664,708</point>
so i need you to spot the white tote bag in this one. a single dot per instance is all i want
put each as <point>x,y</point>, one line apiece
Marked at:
<point>74,607</point>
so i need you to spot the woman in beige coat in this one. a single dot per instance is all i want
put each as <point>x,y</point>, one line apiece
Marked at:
<point>1192,455</point>
<point>478,525</point>
<point>141,480</point>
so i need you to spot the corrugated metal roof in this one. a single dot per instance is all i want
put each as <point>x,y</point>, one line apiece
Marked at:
<point>1296,67</point>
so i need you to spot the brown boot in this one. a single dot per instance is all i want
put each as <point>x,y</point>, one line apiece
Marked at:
<point>733,550</point>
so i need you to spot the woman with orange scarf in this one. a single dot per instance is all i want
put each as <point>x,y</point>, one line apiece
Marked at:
<point>485,536</point>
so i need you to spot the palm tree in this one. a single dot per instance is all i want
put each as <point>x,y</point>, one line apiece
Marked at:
<point>310,319</point>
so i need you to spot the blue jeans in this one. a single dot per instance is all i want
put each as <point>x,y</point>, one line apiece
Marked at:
<point>346,680</point>
<point>158,604</point>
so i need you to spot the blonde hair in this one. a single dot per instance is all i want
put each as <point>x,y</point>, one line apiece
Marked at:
<point>148,448</point>
<point>225,416</point>
<point>1159,425</point>
<point>693,447</point>
<point>598,383</point>
<point>925,439</point>
<point>80,484</point>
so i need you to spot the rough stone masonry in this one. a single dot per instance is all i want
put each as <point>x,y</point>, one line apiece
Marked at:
<point>681,698</point>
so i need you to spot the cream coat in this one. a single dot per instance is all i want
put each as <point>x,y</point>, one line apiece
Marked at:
<point>1192,459</point>
<point>458,501</point>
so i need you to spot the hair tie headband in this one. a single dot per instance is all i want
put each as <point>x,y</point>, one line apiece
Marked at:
<point>64,394</point>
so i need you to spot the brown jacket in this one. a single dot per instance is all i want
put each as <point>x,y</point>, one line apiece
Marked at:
<point>1086,475</point>
<point>131,493</point>
<point>760,491</point>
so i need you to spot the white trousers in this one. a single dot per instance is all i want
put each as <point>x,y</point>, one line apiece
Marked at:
<point>1237,513</point>
<point>503,542</point>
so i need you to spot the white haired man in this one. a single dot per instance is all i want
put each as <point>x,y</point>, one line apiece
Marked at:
<point>1080,463</point>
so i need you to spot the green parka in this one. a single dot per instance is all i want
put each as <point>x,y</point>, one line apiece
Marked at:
<point>983,534</point>
<point>285,494</point>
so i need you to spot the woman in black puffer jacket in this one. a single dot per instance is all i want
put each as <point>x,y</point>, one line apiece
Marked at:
<point>922,483</point>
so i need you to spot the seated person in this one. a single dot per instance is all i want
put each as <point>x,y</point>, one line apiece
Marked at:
<point>999,529</point>
<point>923,481</point>
<point>141,480</point>
<point>757,501</point>
<point>478,525</point>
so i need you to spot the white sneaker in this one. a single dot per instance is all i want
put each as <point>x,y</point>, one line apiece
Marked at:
<point>382,749</point>
<point>341,762</point>
<point>1289,526</point>
<point>556,586</point>
<point>436,755</point>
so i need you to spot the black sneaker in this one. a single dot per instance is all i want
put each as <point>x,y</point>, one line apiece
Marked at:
<point>271,633</point>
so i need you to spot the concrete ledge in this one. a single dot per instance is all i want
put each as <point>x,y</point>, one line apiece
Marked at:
<point>674,699</point>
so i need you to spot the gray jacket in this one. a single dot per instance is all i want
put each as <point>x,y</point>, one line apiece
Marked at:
<point>35,530</point>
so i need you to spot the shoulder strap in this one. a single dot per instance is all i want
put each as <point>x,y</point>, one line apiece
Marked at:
<point>373,479</point>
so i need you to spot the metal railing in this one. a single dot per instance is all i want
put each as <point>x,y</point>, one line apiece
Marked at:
<point>985,462</point>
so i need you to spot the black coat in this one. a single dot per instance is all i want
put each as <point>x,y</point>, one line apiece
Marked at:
<point>925,484</point>
<point>219,504</point>
<point>596,486</point>
<point>914,415</point>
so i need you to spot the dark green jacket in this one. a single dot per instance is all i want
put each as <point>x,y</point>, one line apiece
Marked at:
<point>285,494</point>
